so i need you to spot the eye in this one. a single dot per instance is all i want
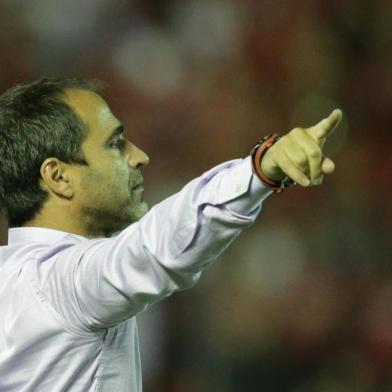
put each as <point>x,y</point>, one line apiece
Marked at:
<point>119,143</point>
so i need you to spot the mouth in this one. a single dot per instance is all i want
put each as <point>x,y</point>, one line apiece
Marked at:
<point>139,186</point>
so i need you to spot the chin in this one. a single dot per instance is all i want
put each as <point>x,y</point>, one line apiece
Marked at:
<point>141,210</point>
<point>120,222</point>
<point>136,212</point>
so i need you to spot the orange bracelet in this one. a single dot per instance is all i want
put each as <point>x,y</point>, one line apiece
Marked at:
<point>257,154</point>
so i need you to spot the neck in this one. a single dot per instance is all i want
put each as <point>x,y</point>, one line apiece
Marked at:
<point>59,219</point>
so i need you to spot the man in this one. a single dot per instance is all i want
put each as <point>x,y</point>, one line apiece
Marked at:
<point>85,255</point>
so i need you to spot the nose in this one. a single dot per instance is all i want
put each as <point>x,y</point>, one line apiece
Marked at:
<point>137,158</point>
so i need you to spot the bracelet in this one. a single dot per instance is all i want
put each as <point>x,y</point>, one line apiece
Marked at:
<point>257,154</point>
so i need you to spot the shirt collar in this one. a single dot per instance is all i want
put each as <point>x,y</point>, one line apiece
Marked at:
<point>38,234</point>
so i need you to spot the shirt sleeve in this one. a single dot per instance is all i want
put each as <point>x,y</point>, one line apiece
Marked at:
<point>101,282</point>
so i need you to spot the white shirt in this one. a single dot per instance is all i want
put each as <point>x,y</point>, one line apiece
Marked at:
<point>68,303</point>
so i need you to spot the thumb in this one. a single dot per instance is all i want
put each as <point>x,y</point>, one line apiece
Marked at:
<point>327,166</point>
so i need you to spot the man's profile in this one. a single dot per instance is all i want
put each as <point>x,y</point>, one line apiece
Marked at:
<point>85,254</point>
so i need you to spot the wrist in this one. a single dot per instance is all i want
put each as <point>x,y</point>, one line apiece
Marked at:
<point>257,155</point>
<point>270,170</point>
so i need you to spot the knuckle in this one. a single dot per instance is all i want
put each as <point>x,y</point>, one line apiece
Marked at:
<point>301,159</point>
<point>276,149</point>
<point>296,131</point>
<point>280,142</point>
<point>314,152</point>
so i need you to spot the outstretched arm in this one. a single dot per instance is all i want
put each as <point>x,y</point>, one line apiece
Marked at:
<point>109,280</point>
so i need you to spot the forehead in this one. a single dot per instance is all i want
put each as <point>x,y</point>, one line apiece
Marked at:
<point>94,112</point>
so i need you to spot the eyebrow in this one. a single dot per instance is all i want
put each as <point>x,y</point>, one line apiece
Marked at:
<point>117,131</point>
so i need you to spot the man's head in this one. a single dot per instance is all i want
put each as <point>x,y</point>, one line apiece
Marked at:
<point>60,167</point>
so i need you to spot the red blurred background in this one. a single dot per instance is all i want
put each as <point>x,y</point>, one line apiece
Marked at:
<point>302,301</point>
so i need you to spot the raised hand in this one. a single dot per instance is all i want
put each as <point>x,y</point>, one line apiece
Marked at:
<point>299,155</point>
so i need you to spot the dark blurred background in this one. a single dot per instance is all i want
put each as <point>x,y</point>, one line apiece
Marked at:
<point>302,300</point>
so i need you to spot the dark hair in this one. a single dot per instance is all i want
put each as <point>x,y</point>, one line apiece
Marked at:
<point>36,123</point>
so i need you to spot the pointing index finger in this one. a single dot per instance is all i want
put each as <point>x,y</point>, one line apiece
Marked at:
<point>325,127</point>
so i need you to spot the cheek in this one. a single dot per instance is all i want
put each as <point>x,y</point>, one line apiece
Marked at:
<point>121,174</point>
<point>110,182</point>
<point>91,187</point>
<point>119,178</point>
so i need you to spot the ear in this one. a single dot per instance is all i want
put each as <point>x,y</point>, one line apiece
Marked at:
<point>55,178</point>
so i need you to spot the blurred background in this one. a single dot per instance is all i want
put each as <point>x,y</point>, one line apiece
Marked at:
<point>302,300</point>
